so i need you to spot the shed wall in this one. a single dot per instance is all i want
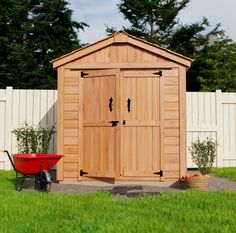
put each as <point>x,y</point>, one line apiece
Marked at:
<point>68,123</point>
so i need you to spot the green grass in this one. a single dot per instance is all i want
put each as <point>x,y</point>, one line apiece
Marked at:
<point>228,172</point>
<point>185,211</point>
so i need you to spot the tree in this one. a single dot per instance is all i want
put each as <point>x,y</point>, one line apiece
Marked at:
<point>153,20</point>
<point>213,53</point>
<point>33,33</point>
<point>215,66</point>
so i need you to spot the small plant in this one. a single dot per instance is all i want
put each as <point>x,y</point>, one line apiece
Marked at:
<point>203,154</point>
<point>32,139</point>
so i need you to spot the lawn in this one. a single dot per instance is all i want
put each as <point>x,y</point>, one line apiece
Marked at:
<point>229,172</point>
<point>185,211</point>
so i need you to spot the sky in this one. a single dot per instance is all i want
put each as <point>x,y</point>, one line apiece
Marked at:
<point>97,13</point>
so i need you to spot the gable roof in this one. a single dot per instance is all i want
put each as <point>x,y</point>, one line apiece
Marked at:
<point>121,37</point>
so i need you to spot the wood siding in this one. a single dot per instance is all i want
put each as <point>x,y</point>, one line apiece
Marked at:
<point>68,124</point>
<point>172,133</point>
<point>119,54</point>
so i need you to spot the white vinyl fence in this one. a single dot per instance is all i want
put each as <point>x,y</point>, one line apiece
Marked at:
<point>213,115</point>
<point>37,107</point>
<point>209,115</point>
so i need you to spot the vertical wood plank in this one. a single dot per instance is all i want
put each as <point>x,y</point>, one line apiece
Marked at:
<point>3,99</point>
<point>182,120</point>
<point>81,119</point>
<point>60,122</point>
<point>219,115</point>
<point>23,107</point>
<point>43,108</point>
<point>119,129</point>
<point>30,106</point>
<point>50,115</point>
<point>8,122</point>
<point>36,108</point>
<point>162,126</point>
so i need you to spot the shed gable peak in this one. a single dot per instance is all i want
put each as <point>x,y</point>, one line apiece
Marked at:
<point>118,38</point>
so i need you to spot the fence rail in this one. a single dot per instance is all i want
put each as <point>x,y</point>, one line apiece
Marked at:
<point>209,115</point>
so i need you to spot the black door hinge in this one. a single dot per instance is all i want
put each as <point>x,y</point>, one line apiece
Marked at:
<point>158,73</point>
<point>83,173</point>
<point>83,74</point>
<point>160,173</point>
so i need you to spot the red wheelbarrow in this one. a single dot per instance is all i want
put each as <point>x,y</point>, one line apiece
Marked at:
<point>33,165</point>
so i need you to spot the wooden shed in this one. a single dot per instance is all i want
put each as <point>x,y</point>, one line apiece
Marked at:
<point>121,111</point>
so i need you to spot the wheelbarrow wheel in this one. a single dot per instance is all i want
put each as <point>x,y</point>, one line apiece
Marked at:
<point>44,182</point>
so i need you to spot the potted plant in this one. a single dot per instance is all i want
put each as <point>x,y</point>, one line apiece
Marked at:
<point>203,154</point>
<point>32,139</point>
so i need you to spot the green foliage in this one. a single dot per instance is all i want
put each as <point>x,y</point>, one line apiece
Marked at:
<point>33,32</point>
<point>179,212</point>
<point>214,54</point>
<point>151,19</point>
<point>227,172</point>
<point>217,66</point>
<point>33,139</point>
<point>203,154</point>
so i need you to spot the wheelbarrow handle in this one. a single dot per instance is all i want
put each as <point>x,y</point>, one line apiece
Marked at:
<point>8,155</point>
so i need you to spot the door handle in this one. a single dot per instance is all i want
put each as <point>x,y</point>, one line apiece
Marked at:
<point>128,104</point>
<point>113,123</point>
<point>110,104</point>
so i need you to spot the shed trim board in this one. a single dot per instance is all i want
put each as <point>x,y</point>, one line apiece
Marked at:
<point>121,111</point>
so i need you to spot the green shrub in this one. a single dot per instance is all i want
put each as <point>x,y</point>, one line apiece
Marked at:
<point>203,154</point>
<point>32,139</point>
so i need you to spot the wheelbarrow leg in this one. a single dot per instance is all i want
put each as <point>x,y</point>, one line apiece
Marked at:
<point>19,182</point>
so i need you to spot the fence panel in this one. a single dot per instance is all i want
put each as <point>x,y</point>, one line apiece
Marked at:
<point>213,115</point>
<point>37,107</point>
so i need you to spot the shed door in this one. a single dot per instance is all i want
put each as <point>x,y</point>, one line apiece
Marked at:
<point>99,123</point>
<point>141,126</point>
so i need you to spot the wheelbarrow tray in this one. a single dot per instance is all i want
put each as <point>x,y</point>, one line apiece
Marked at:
<point>30,164</point>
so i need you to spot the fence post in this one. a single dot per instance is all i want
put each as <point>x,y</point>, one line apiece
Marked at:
<point>219,133</point>
<point>8,125</point>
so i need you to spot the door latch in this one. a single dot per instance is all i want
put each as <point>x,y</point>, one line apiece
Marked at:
<point>114,123</point>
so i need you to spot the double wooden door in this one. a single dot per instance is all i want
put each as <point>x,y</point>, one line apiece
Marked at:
<point>121,123</point>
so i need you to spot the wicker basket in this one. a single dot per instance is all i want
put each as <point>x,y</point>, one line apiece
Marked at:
<point>198,182</point>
